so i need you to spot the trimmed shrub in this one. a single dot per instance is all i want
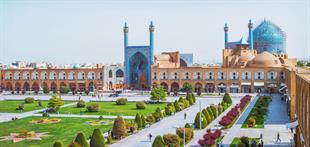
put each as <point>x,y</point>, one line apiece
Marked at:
<point>158,142</point>
<point>140,105</point>
<point>160,112</point>
<point>55,102</point>
<point>40,103</point>
<point>138,121</point>
<point>177,106</point>
<point>194,98</point>
<point>207,115</point>
<point>119,128</point>
<point>143,121</point>
<point>74,144</point>
<point>156,116</point>
<point>20,107</point>
<point>227,98</point>
<point>97,139</point>
<point>214,111</point>
<point>109,139</point>
<point>245,140</point>
<point>219,109</point>
<point>187,125</point>
<point>93,107</point>
<point>81,104</point>
<point>121,101</point>
<point>189,134</point>
<point>203,121</point>
<point>168,110</point>
<point>131,126</point>
<point>210,113</point>
<point>251,122</point>
<point>172,140</point>
<point>29,100</point>
<point>81,140</point>
<point>150,119</point>
<point>58,144</point>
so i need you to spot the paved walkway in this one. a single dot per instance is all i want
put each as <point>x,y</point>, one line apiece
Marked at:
<point>86,116</point>
<point>276,119</point>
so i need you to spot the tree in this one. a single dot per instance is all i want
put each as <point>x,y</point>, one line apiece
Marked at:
<point>119,128</point>
<point>81,140</point>
<point>55,102</point>
<point>159,112</point>
<point>214,111</point>
<point>143,121</point>
<point>138,121</point>
<point>158,142</point>
<point>187,87</point>
<point>227,98</point>
<point>172,140</point>
<point>177,106</point>
<point>308,64</point>
<point>207,115</point>
<point>210,113</point>
<point>158,93</point>
<point>190,98</point>
<point>194,98</point>
<point>58,144</point>
<point>203,121</point>
<point>300,64</point>
<point>97,139</point>
<point>74,144</point>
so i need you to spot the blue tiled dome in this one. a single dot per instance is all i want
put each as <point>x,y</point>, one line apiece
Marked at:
<point>269,37</point>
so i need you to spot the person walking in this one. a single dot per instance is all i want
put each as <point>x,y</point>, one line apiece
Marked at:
<point>261,136</point>
<point>150,137</point>
<point>278,137</point>
<point>185,115</point>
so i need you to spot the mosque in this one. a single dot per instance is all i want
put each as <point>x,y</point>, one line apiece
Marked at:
<point>255,64</point>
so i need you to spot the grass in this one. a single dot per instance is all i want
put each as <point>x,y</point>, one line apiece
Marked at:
<point>262,103</point>
<point>110,108</point>
<point>10,106</point>
<point>65,131</point>
<point>237,140</point>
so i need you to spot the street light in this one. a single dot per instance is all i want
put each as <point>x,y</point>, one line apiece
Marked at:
<point>200,114</point>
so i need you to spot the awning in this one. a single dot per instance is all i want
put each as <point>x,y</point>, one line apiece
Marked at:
<point>292,125</point>
<point>221,86</point>
<point>246,83</point>
<point>282,84</point>
<point>259,84</point>
<point>234,86</point>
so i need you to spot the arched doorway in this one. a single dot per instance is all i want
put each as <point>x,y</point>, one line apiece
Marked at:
<point>110,85</point>
<point>53,87</point>
<point>119,73</point>
<point>221,87</point>
<point>35,87</point>
<point>72,87</point>
<point>9,86</point>
<point>82,87</point>
<point>165,85</point>
<point>175,87</point>
<point>17,87</point>
<point>138,75</point>
<point>210,87</point>
<point>91,87</point>
<point>198,86</point>
<point>26,86</point>
<point>62,87</point>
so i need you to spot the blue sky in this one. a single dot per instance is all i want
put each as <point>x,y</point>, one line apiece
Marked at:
<point>77,31</point>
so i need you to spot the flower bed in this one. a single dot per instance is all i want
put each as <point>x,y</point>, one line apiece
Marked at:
<point>228,120</point>
<point>210,138</point>
<point>46,120</point>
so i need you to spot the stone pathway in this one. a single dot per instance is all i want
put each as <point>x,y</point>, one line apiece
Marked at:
<point>86,116</point>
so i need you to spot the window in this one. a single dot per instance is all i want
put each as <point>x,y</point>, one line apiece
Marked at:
<point>17,76</point>
<point>186,75</point>
<point>110,74</point>
<point>175,75</point>
<point>154,77</point>
<point>34,75</point>
<point>91,75</point>
<point>81,75</point>
<point>62,75</point>
<point>119,73</point>
<point>53,75</point>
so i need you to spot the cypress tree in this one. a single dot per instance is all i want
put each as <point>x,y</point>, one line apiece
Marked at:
<point>227,99</point>
<point>177,106</point>
<point>74,144</point>
<point>206,114</point>
<point>97,139</point>
<point>210,112</point>
<point>203,121</point>
<point>58,144</point>
<point>81,140</point>
<point>158,142</point>
<point>143,121</point>
<point>159,111</point>
<point>138,120</point>
<point>194,98</point>
<point>214,111</point>
<point>119,128</point>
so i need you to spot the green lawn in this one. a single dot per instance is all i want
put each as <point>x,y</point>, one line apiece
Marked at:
<point>259,112</point>
<point>10,106</point>
<point>110,108</point>
<point>236,141</point>
<point>65,130</point>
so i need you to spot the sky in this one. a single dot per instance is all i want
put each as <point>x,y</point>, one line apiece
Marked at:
<point>90,31</point>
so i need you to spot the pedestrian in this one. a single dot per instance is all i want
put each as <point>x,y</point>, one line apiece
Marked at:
<point>262,143</point>
<point>278,137</point>
<point>150,137</point>
<point>80,97</point>
<point>261,136</point>
<point>185,115</point>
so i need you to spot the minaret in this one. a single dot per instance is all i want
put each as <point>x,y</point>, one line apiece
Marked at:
<point>125,29</point>
<point>226,35</point>
<point>152,29</point>
<point>250,26</point>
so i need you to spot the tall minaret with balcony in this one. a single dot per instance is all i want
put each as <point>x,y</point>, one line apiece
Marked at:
<point>152,29</point>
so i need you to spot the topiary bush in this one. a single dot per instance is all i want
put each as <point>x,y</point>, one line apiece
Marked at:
<point>97,139</point>
<point>109,139</point>
<point>251,122</point>
<point>172,140</point>
<point>150,119</point>
<point>177,106</point>
<point>121,101</point>
<point>93,107</point>
<point>189,134</point>
<point>140,105</point>
<point>203,121</point>
<point>55,103</point>
<point>220,109</point>
<point>214,111</point>
<point>29,100</point>
<point>245,140</point>
<point>168,110</point>
<point>143,121</point>
<point>227,98</point>
<point>81,140</point>
<point>58,144</point>
<point>138,121</point>
<point>81,104</point>
<point>20,107</point>
<point>119,128</point>
<point>207,115</point>
<point>74,144</point>
<point>210,113</point>
<point>158,142</point>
